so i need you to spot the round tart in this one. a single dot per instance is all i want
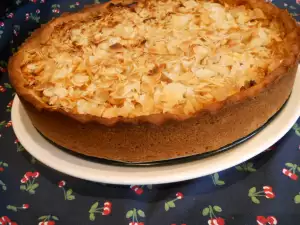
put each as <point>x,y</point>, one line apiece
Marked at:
<point>142,81</point>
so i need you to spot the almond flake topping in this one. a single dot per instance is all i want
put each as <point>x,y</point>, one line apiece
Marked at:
<point>171,56</point>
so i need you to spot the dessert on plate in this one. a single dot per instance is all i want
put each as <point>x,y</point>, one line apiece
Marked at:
<point>141,81</point>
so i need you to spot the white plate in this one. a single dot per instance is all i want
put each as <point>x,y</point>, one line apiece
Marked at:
<point>77,167</point>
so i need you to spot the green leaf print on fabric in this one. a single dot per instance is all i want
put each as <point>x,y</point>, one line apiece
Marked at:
<point>255,200</point>
<point>296,127</point>
<point>297,199</point>
<point>141,213</point>
<point>217,208</point>
<point>205,211</point>
<point>134,215</point>
<point>246,167</point>
<point>129,214</point>
<point>216,179</point>
<point>3,185</point>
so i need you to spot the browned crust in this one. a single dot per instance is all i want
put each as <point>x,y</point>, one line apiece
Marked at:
<point>40,36</point>
<point>148,142</point>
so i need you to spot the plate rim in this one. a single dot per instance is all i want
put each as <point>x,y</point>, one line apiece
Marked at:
<point>71,165</point>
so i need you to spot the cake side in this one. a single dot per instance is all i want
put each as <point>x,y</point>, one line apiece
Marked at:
<point>289,47</point>
<point>148,142</point>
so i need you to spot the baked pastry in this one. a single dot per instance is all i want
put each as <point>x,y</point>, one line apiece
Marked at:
<point>141,81</point>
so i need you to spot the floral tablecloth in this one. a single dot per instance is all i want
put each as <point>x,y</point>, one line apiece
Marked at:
<point>264,190</point>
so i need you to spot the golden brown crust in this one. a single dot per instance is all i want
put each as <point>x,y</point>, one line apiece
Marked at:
<point>291,44</point>
<point>147,142</point>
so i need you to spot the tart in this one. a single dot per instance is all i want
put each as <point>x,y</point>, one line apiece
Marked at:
<point>141,81</point>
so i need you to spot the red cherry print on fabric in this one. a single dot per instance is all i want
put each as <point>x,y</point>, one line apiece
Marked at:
<point>292,170</point>
<point>35,175</point>
<point>217,221</point>
<point>179,195</point>
<point>2,89</point>
<point>4,220</point>
<point>270,220</point>
<point>47,223</point>
<point>25,206</point>
<point>9,124</point>
<point>107,204</point>
<point>136,189</point>
<point>139,189</point>
<point>10,15</point>
<point>61,184</point>
<point>268,192</point>
<point>29,183</point>
<point>107,208</point>
<point>261,220</point>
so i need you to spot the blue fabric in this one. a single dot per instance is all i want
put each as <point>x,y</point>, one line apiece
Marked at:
<point>259,191</point>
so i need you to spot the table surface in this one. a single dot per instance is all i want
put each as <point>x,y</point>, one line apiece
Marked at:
<point>263,190</point>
